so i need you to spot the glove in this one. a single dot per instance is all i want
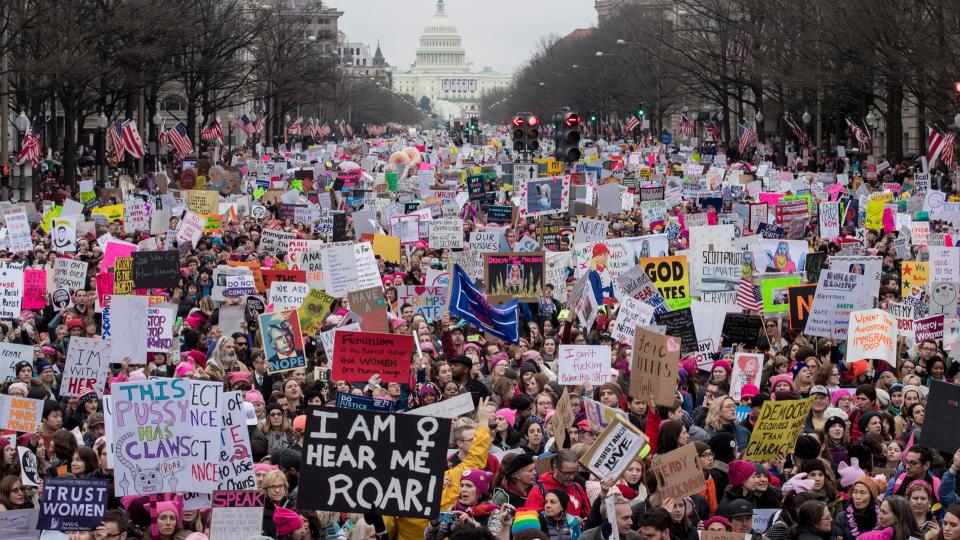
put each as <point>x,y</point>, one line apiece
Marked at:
<point>606,530</point>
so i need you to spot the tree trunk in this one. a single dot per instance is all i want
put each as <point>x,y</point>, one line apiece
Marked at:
<point>69,140</point>
<point>894,99</point>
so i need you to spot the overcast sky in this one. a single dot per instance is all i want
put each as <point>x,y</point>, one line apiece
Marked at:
<point>497,33</point>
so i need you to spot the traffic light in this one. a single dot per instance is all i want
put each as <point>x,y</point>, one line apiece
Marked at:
<point>641,112</point>
<point>475,124</point>
<point>593,118</point>
<point>567,137</point>
<point>519,145</point>
<point>533,133</point>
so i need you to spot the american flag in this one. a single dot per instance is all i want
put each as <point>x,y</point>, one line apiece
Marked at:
<point>712,130</point>
<point>862,136</point>
<point>212,131</point>
<point>30,147</point>
<point>349,129</point>
<point>296,127</point>
<point>131,139</point>
<point>311,128</point>
<point>685,129</point>
<point>748,295</point>
<point>178,136</point>
<point>748,137</point>
<point>797,131</point>
<point>324,130</point>
<point>632,123</point>
<point>115,135</point>
<point>939,144</point>
<point>738,44</point>
<point>261,121</point>
<point>163,138</point>
<point>245,125</point>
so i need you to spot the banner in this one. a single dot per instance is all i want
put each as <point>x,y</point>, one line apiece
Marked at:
<point>779,424</point>
<point>614,449</point>
<point>359,355</point>
<point>87,366</point>
<point>359,461</point>
<point>579,363</point>
<point>678,473</point>
<point>469,304</point>
<point>236,514</point>
<point>653,368</point>
<point>166,436</point>
<point>872,334</point>
<point>72,504</point>
<point>282,340</point>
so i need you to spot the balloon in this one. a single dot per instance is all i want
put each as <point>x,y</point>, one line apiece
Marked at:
<point>399,158</point>
<point>413,153</point>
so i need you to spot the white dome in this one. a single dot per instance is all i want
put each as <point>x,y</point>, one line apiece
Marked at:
<point>440,44</point>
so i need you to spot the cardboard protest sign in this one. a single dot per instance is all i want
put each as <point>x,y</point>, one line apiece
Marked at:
<point>150,420</point>
<point>678,473</point>
<point>70,273</point>
<point>562,418</point>
<point>34,288</point>
<point>123,276</point>
<point>282,340</point>
<point>446,233</point>
<point>838,293</point>
<point>11,285</point>
<point>275,242</point>
<point>614,449</point>
<point>916,276</point>
<point>579,363</point>
<point>514,276</point>
<point>202,201</point>
<point>72,504</point>
<point>371,306</point>
<point>236,458</point>
<point>235,513</point>
<point>430,302</point>
<point>358,461</point>
<point>800,298</point>
<point>87,366</point>
<point>287,295</point>
<point>872,334</point>
<point>774,292</point>
<point>778,426</point>
<point>653,368</point>
<point>680,324</point>
<point>460,405</point>
<point>939,425</point>
<point>20,413</point>
<point>160,329</point>
<point>599,415</point>
<point>359,355</point>
<point>633,313</point>
<point>156,269</point>
<point>314,310</point>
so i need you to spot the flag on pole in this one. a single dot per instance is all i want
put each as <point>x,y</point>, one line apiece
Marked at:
<point>324,130</point>
<point>244,124</point>
<point>632,123</point>
<point>748,138</point>
<point>132,142</point>
<point>470,304</point>
<point>30,147</point>
<point>296,127</point>
<point>712,130</point>
<point>863,137</point>
<point>115,136</point>
<point>685,129</point>
<point>212,131</point>
<point>178,136</point>
<point>748,295</point>
<point>261,121</point>
<point>797,131</point>
<point>939,144</point>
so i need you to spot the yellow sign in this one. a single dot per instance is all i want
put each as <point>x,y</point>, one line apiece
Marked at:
<point>114,212</point>
<point>875,206</point>
<point>202,201</point>
<point>387,247</point>
<point>778,426</point>
<point>554,167</point>
<point>212,225</point>
<point>48,218</point>
<point>313,310</point>
<point>916,276</point>
<point>672,278</point>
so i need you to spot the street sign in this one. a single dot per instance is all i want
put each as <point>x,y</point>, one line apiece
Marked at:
<point>524,171</point>
<point>666,138</point>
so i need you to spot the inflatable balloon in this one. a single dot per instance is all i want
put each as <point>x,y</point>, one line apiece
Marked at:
<point>399,158</point>
<point>413,153</point>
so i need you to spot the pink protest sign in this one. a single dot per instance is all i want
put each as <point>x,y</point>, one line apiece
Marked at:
<point>113,251</point>
<point>34,288</point>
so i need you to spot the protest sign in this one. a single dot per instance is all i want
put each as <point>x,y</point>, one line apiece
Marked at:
<point>829,220</point>
<point>275,242</point>
<point>837,294</point>
<point>286,295</point>
<point>671,277</point>
<point>12,354</point>
<point>129,328</point>
<point>614,449</point>
<point>637,284</point>
<point>446,233</point>
<point>359,461</point>
<point>160,329</point>
<point>599,415</point>
<point>778,426</point>
<point>368,403</point>
<point>872,334</point>
<point>460,405</point>
<point>156,269</point>
<point>633,313</point>
<point>485,241</point>
<point>87,366</point>
<point>73,504</point>
<point>202,201</point>
<point>359,355</point>
<point>430,302</point>
<point>370,305</point>
<point>590,230</point>
<point>653,368</point>
<point>339,270</point>
<point>11,283</point>
<point>513,276</point>
<point>29,473</point>
<point>314,310</point>
<point>580,363</point>
<point>939,425</point>
<point>20,413</point>
<point>18,230</point>
<point>70,273</point>
<point>928,328</point>
<point>123,276</point>
<point>800,299</point>
<point>678,473</point>
<point>746,370</point>
<point>774,292</point>
<point>34,288</point>
<point>282,340</point>
<point>680,324</point>
<point>235,514</point>
<point>152,422</point>
<point>742,329</point>
<point>916,276</point>
<point>235,469</point>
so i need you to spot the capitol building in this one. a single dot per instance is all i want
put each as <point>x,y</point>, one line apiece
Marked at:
<point>442,73</point>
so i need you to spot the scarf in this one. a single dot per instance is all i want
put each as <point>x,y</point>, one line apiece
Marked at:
<point>857,518</point>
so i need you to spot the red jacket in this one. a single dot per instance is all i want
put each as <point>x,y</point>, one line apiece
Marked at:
<point>579,503</point>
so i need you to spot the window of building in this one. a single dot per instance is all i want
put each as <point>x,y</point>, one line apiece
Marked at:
<point>173,103</point>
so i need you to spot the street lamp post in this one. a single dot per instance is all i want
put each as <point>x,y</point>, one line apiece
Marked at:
<point>871,120</point>
<point>22,123</point>
<point>230,118</point>
<point>157,118</point>
<point>101,147</point>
